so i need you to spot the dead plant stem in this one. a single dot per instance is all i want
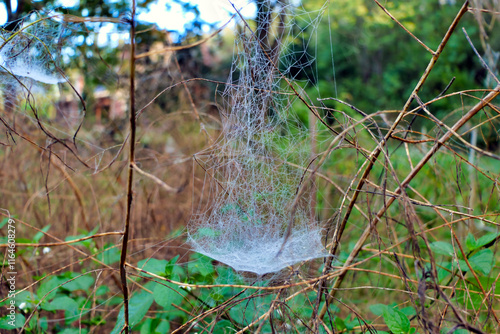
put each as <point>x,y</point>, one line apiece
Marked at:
<point>126,231</point>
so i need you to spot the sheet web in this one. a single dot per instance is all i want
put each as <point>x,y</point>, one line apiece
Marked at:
<point>41,82</point>
<point>30,54</point>
<point>254,170</point>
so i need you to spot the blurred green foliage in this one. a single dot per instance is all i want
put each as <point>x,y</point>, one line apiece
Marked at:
<point>364,58</point>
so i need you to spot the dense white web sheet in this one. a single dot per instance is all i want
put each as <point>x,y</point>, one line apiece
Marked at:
<point>251,172</point>
<point>29,53</point>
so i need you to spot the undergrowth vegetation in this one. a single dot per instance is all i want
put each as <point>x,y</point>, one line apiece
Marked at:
<point>110,196</point>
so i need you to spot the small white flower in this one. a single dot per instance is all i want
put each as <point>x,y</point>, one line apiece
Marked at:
<point>46,250</point>
<point>22,306</point>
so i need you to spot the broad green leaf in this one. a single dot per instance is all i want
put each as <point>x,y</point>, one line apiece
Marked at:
<point>378,309</point>
<point>42,323</point>
<point>47,285</point>
<point>486,239</point>
<point>168,294</point>
<point>110,255</point>
<point>24,297</point>
<point>397,321</point>
<point>470,300</point>
<point>223,327</point>
<point>23,240</point>
<point>201,265</point>
<point>79,283</point>
<point>139,305</point>
<point>204,232</point>
<point>340,324</point>
<point>10,324</point>
<point>101,290</point>
<point>155,326</point>
<point>462,264</point>
<point>164,327</point>
<point>173,270</point>
<point>482,261</point>
<point>408,311</point>
<point>442,272</point>
<point>441,247</point>
<point>245,313</point>
<point>148,326</point>
<point>62,303</point>
<point>470,242</point>
<point>154,266</point>
<point>488,282</point>
<point>351,324</point>
<point>85,243</point>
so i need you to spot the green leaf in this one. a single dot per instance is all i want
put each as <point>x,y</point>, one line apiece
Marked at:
<point>74,331</point>
<point>351,324</point>
<point>244,313</point>
<point>172,269</point>
<point>378,309</point>
<point>204,232</point>
<point>223,327</point>
<point>62,303</point>
<point>86,243</point>
<point>397,321</point>
<point>442,272</point>
<point>441,247</point>
<point>154,266</point>
<point>201,265</point>
<point>101,290</point>
<point>470,242</point>
<point>80,283</point>
<point>24,297</point>
<point>42,323</point>
<point>46,286</point>
<point>40,235</point>
<point>139,305</point>
<point>482,261</point>
<point>164,327</point>
<point>486,239</point>
<point>4,222</point>
<point>408,311</point>
<point>148,326</point>
<point>110,255</point>
<point>166,294</point>
<point>456,331</point>
<point>7,322</point>
<point>340,324</point>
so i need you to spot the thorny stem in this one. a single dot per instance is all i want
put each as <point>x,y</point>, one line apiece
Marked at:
<point>126,231</point>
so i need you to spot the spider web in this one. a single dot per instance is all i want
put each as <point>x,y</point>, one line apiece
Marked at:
<point>254,170</point>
